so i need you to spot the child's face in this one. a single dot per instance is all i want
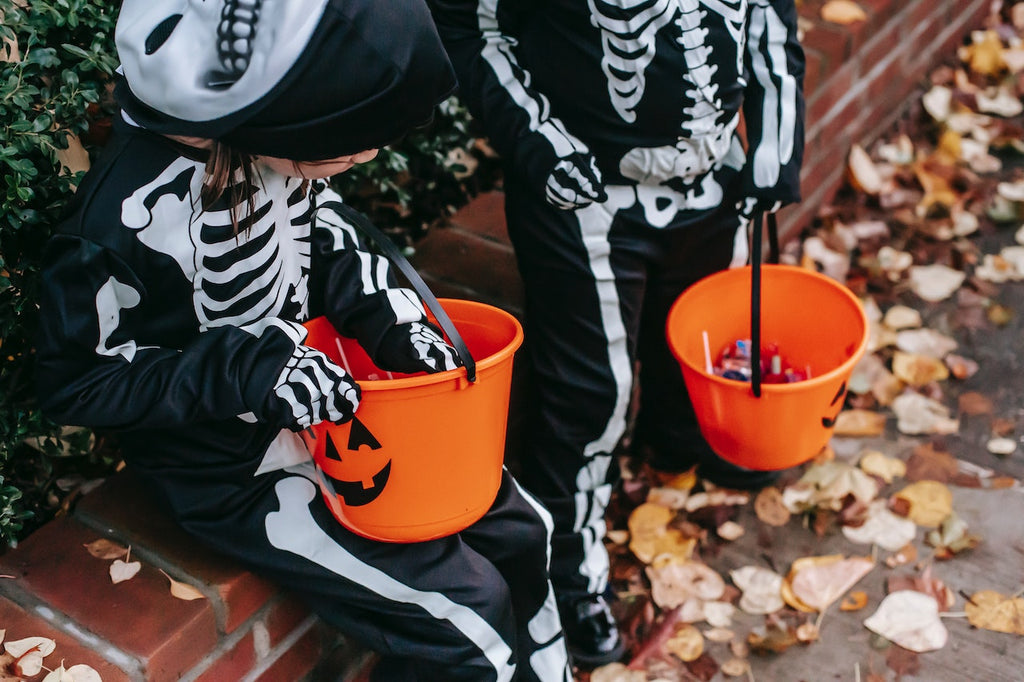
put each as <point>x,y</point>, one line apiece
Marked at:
<point>313,170</point>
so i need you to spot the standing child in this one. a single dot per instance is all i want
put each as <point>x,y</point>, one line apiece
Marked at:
<point>626,181</point>
<point>174,296</point>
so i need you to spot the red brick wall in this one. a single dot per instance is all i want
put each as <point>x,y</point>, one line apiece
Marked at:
<point>861,77</point>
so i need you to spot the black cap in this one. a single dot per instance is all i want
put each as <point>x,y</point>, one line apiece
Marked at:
<point>367,72</point>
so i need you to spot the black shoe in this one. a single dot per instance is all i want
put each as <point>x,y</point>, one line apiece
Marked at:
<point>711,468</point>
<point>591,634</point>
<point>727,475</point>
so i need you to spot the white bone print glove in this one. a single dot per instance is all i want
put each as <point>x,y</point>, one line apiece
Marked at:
<point>416,347</point>
<point>574,183</point>
<point>312,389</point>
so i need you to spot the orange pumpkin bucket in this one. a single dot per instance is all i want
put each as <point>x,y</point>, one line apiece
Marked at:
<point>423,457</point>
<point>816,321</point>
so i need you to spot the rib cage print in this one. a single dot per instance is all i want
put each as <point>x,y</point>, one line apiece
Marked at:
<point>629,47</point>
<point>237,278</point>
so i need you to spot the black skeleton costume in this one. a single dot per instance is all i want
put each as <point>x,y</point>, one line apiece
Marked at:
<point>168,323</point>
<point>627,181</point>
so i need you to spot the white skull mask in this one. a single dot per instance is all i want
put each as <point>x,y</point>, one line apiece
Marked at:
<point>169,51</point>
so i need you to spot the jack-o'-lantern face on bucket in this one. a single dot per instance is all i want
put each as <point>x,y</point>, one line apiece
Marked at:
<point>357,472</point>
<point>829,422</point>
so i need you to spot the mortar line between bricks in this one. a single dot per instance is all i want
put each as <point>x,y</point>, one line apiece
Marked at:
<point>282,648</point>
<point>226,642</point>
<point>129,664</point>
<point>156,560</point>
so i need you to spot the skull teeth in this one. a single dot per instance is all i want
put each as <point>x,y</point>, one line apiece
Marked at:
<point>236,33</point>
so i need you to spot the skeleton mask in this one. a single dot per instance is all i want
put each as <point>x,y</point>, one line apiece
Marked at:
<point>296,79</point>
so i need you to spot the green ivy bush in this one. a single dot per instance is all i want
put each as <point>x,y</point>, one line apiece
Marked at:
<point>56,61</point>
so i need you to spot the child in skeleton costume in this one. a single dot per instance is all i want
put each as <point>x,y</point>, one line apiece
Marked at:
<point>627,181</point>
<point>174,318</point>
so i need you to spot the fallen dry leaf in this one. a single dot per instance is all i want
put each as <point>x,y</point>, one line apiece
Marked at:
<point>863,172</point>
<point>860,423</point>
<point>121,570</point>
<point>842,12</point>
<point>883,528</point>
<point>106,549</point>
<point>928,463</point>
<point>925,584</point>
<point>991,610</point>
<point>735,667</point>
<point>879,464</point>
<point>674,582</point>
<point>854,601</point>
<point>911,620</point>
<point>183,590</point>
<point>20,647</point>
<point>1001,446</point>
<point>917,415</point>
<point>718,614</point>
<point>687,643</point>
<point>918,370</point>
<point>730,530</point>
<point>770,508</point>
<point>617,672</point>
<point>951,537</point>
<point>935,283</point>
<point>901,317</point>
<point>904,555</point>
<point>761,589</point>
<point>820,584</point>
<point>930,502</point>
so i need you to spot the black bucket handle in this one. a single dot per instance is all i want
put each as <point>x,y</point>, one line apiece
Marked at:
<point>391,252</point>
<point>755,291</point>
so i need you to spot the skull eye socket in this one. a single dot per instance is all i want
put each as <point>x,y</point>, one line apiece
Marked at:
<point>161,33</point>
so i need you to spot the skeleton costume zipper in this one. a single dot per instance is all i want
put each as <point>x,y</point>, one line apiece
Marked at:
<point>627,179</point>
<point>175,321</point>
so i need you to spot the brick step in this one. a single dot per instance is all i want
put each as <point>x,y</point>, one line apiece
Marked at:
<point>243,629</point>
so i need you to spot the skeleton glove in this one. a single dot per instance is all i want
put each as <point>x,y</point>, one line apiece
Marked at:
<point>574,183</point>
<point>751,206</point>
<point>312,389</point>
<point>415,347</point>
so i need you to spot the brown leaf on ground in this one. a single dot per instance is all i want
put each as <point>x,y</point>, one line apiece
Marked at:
<point>926,584</point>
<point>974,403</point>
<point>704,668</point>
<point>106,549</point>
<point>902,661</point>
<point>928,463</point>
<point>769,507</point>
<point>772,638</point>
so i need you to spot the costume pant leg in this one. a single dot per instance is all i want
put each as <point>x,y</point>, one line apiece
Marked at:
<point>442,603</point>
<point>515,535</point>
<point>583,286</point>
<point>666,425</point>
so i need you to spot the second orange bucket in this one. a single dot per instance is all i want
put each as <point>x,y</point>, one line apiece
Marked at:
<point>423,457</point>
<point>815,321</point>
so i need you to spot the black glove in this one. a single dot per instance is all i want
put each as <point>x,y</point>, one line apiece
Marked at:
<point>574,182</point>
<point>312,389</point>
<point>751,206</point>
<point>415,347</point>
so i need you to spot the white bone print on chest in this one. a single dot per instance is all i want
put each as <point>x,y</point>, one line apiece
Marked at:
<point>628,30</point>
<point>236,279</point>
